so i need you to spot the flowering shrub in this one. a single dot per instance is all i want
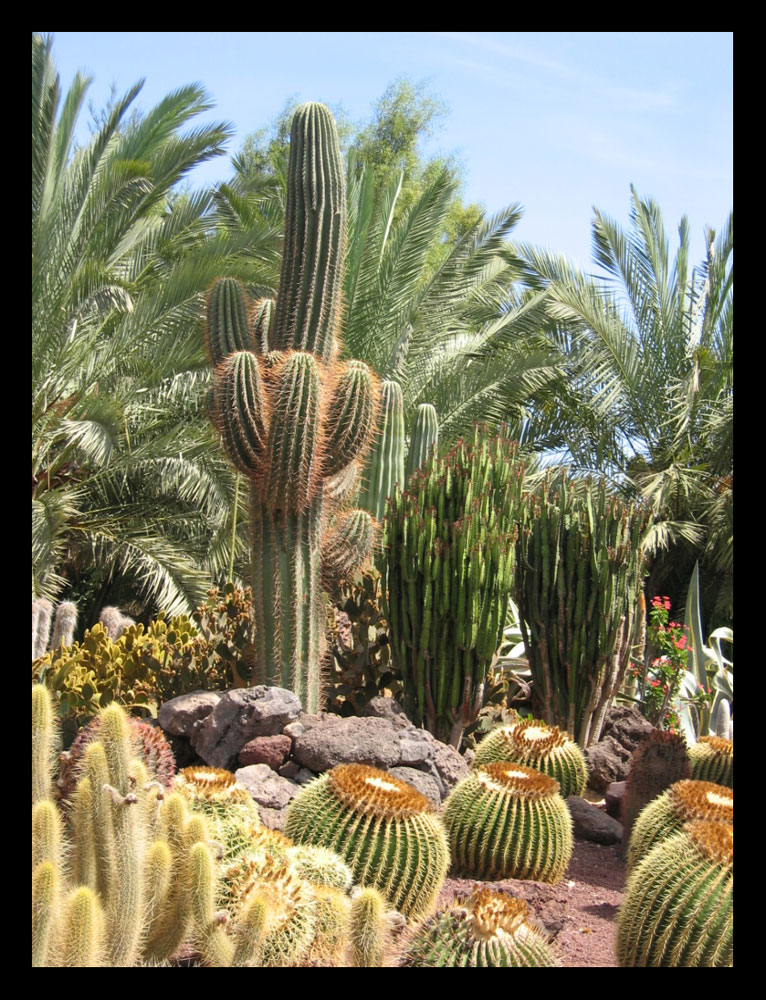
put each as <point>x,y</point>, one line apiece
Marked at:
<point>660,676</point>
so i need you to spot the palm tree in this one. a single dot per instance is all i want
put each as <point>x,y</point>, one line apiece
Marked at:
<point>454,330</point>
<point>648,398</point>
<point>125,472</point>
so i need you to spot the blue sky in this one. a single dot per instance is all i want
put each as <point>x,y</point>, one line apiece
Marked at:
<point>558,121</point>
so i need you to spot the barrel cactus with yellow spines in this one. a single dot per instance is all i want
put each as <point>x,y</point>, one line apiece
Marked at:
<point>508,821</point>
<point>231,815</point>
<point>449,539</point>
<point>712,759</point>
<point>543,747</point>
<point>683,802</point>
<point>293,419</point>
<point>488,930</point>
<point>677,907</point>
<point>387,833</point>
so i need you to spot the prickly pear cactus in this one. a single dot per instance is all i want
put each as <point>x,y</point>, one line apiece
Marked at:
<point>489,930</point>
<point>542,747</point>
<point>386,832</point>
<point>682,802</point>
<point>677,908</point>
<point>292,418</point>
<point>712,759</point>
<point>508,821</point>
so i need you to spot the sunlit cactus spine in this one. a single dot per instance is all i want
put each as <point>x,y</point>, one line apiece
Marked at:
<point>677,906</point>
<point>44,744</point>
<point>387,833</point>
<point>712,759</point>
<point>543,747</point>
<point>665,815</point>
<point>368,929</point>
<point>508,821</point>
<point>488,930</point>
<point>293,419</point>
<point>577,586</point>
<point>449,541</point>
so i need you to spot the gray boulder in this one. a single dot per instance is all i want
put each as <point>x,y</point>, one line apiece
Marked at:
<point>266,787</point>
<point>181,716</point>
<point>348,741</point>
<point>423,783</point>
<point>238,717</point>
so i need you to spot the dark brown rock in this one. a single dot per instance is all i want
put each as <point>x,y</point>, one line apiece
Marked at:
<point>592,823</point>
<point>613,797</point>
<point>271,750</point>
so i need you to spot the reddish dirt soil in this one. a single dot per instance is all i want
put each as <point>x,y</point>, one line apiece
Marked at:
<point>579,914</point>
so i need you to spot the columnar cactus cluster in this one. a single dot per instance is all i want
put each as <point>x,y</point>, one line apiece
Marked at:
<point>578,581</point>
<point>293,419</point>
<point>449,541</point>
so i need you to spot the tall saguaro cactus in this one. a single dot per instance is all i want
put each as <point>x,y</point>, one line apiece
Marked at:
<point>293,419</point>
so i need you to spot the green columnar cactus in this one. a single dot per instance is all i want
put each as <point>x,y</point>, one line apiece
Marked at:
<point>424,440</point>
<point>367,929</point>
<point>712,759</point>
<point>292,418</point>
<point>450,545</point>
<point>44,744</point>
<point>385,831</point>
<point>489,930</point>
<point>659,761</point>
<point>385,462</point>
<point>543,747</point>
<point>579,568</point>
<point>677,907</point>
<point>681,803</point>
<point>508,821</point>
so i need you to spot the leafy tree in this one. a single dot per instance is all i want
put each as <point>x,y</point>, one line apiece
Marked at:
<point>648,398</point>
<point>125,474</point>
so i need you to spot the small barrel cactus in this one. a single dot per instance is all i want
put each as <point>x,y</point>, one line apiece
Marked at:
<point>385,831</point>
<point>677,908</point>
<point>543,747</point>
<point>682,802</point>
<point>508,821</point>
<point>230,813</point>
<point>712,759</point>
<point>489,930</point>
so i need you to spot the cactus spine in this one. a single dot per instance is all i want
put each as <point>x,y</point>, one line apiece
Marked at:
<point>677,907</point>
<point>578,580</point>
<point>450,545</point>
<point>384,830</point>
<point>292,419</point>
<point>489,930</point>
<point>368,928</point>
<point>543,747</point>
<point>712,759</point>
<point>508,821</point>
<point>681,803</point>
<point>44,744</point>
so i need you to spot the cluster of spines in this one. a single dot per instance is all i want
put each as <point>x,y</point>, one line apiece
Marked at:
<point>677,906</point>
<point>665,815</point>
<point>487,930</point>
<point>712,759</point>
<point>508,821</point>
<point>385,831</point>
<point>545,748</point>
<point>659,761</point>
